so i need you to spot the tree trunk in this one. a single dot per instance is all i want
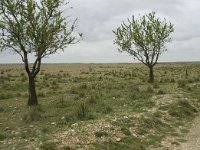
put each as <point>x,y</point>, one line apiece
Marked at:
<point>151,74</point>
<point>32,101</point>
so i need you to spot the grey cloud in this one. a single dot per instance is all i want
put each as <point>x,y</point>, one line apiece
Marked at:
<point>97,19</point>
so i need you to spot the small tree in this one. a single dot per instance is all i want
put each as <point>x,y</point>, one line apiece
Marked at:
<point>144,38</point>
<point>34,27</point>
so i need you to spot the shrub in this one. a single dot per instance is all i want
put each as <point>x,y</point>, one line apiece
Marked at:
<point>150,89</point>
<point>181,83</point>
<point>22,74</point>
<point>67,148</point>
<point>107,109</point>
<point>81,94</point>
<point>83,112</point>
<point>2,109</point>
<point>182,109</point>
<point>172,80</point>
<point>41,94</point>
<point>93,99</point>
<point>161,92</point>
<point>156,86</point>
<point>126,131</point>
<point>48,146</point>
<point>33,114</point>
<point>83,86</point>
<point>2,137</point>
<point>99,134</point>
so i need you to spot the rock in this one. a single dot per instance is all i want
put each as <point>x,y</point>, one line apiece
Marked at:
<point>88,142</point>
<point>134,135</point>
<point>40,144</point>
<point>74,125</point>
<point>125,117</point>
<point>56,141</point>
<point>31,126</point>
<point>53,123</point>
<point>118,139</point>
<point>115,119</point>
<point>9,142</point>
<point>108,126</point>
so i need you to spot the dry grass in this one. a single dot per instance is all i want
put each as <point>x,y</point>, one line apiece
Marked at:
<point>97,106</point>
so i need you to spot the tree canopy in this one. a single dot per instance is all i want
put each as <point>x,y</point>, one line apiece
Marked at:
<point>35,27</point>
<point>144,38</point>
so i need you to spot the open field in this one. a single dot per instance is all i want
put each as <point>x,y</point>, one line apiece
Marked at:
<point>98,107</point>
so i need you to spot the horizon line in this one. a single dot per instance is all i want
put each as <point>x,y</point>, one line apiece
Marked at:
<point>164,62</point>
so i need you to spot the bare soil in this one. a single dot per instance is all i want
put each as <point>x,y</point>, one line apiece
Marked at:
<point>192,138</point>
<point>190,141</point>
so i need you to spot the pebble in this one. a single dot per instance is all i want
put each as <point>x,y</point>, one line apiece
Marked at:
<point>56,141</point>
<point>31,126</point>
<point>115,119</point>
<point>118,139</point>
<point>125,117</point>
<point>74,125</point>
<point>53,123</point>
<point>134,135</point>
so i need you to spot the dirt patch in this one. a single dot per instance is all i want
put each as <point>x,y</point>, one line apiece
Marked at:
<point>192,138</point>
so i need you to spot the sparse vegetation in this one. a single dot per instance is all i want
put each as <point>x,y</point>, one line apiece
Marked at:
<point>112,107</point>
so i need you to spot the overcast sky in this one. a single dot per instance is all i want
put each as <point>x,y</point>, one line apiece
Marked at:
<point>97,19</point>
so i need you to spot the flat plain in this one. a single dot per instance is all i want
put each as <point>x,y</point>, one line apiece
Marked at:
<point>99,107</point>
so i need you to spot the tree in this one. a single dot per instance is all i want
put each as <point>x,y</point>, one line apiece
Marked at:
<point>144,38</point>
<point>31,27</point>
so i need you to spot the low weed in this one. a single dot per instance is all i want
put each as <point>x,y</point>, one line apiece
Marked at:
<point>182,109</point>
<point>83,112</point>
<point>48,145</point>
<point>99,134</point>
<point>33,114</point>
<point>2,137</point>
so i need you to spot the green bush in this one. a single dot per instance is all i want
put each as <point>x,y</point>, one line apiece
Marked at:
<point>48,146</point>
<point>101,133</point>
<point>2,137</point>
<point>83,112</point>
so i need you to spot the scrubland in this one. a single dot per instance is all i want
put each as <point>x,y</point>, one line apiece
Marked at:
<point>98,106</point>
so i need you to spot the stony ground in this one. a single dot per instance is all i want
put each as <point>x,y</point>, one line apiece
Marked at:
<point>193,138</point>
<point>101,107</point>
<point>189,141</point>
